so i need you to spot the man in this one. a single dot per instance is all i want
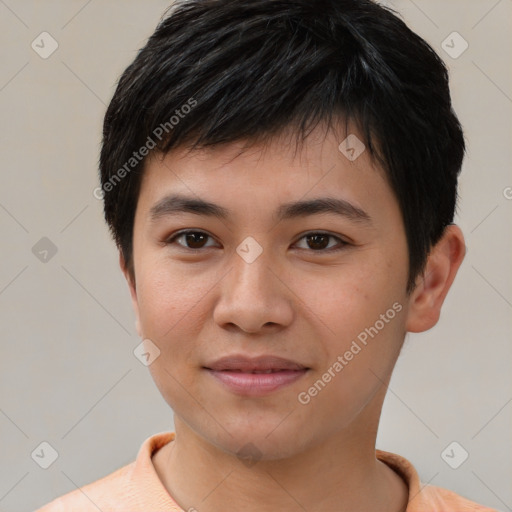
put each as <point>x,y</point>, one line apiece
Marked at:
<point>280,178</point>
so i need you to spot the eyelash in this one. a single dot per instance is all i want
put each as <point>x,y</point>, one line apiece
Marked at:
<point>342,243</point>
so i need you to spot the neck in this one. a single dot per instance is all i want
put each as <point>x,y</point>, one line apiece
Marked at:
<point>341,474</point>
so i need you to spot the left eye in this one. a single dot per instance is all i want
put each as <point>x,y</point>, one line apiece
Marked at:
<point>316,241</point>
<point>320,242</point>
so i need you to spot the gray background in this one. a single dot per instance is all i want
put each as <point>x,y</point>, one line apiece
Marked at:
<point>68,373</point>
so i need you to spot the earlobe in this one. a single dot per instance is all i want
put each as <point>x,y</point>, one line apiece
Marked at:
<point>133,292</point>
<point>432,286</point>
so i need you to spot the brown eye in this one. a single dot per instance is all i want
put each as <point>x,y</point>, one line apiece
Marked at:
<point>195,240</point>
<point>192,239</point>
<point>315,241</point>
<point>319,242</point>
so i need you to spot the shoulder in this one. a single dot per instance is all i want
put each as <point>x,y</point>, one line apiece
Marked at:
<point>424,497</point>
<point>446,500</point>
<point>134,487</point>
<point>103,493</point>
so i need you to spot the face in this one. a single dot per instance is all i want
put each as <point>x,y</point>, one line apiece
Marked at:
<point>314,293</point>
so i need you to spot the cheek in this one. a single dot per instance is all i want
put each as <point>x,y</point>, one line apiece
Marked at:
<point>358,362</point>
<point>361,316</point>
<point>169,308</point>
<point>344,300</point>
<point>168,300</point>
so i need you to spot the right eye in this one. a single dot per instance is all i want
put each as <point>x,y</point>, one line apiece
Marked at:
<point>193,239</point>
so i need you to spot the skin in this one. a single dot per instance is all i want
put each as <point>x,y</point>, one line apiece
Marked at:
<point>298,301</point>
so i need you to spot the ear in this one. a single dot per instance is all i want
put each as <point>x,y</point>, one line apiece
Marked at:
<point>133,292</point>
<point>432,286</point>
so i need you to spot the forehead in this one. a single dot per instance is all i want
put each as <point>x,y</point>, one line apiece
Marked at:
<point>245,178</point>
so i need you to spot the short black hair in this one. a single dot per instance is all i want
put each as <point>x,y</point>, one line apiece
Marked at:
<point>221,71</point>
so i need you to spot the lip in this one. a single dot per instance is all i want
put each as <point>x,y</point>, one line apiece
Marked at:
<point>236,372</point>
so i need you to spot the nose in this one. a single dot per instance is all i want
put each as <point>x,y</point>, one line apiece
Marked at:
<point>254,296</point>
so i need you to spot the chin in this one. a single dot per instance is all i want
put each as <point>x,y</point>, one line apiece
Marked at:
<point>265,443</point>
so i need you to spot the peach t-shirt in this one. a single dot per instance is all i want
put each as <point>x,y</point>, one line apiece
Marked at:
<point>136,487</point>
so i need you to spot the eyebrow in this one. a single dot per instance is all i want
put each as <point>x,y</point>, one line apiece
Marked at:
<point>176,204</point>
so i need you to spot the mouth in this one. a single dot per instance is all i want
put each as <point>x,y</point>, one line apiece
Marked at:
<point>255,376</point>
